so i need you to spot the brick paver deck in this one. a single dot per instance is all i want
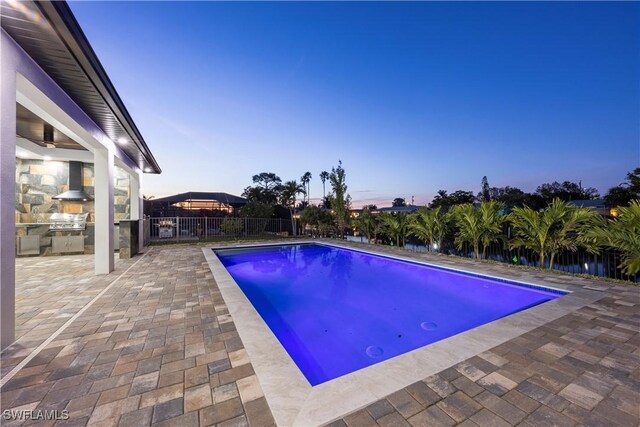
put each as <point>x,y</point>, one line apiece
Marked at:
<point>160,348</point>
<point>157,348</point>
<point>49,291</point>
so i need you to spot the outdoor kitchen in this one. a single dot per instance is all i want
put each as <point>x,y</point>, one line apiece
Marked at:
<point>54,211</point>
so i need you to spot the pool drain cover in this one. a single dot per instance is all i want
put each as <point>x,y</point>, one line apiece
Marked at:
<point>374,351</point>
<point>428,326</point>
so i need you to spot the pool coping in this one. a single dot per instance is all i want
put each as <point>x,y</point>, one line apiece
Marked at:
<point>293,401</point>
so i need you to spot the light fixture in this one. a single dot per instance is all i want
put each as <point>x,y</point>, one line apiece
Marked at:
<point>122,140</point>
<point>47,136</point>
<point>46,157</point>
<point>147,169</point>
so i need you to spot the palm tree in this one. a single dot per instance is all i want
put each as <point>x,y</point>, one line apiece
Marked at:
<point>341,200</point>
<point>470,228</point>
<point>491,220</point>
<point>430,225</point>
<point>532,230</point>
<point>559,226</point>
<point>397,225</point>
<point>324,176</point>
<point>575,221</point>
<point>306,179</point>
<point>288,193</point>
<point>623,234</point>
<point>368,225</point>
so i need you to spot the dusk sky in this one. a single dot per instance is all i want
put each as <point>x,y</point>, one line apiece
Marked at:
<point>412,97</point>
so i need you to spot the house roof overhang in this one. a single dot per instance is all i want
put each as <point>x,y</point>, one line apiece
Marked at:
<point>50,34</point>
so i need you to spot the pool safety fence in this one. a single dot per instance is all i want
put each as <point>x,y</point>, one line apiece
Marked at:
<point>211,229</point>
<point>602,264</point>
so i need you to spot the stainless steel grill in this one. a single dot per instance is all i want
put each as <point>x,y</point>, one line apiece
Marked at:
<point>71,222</point>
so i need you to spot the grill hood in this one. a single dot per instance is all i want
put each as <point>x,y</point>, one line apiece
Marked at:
<point>75,193</point>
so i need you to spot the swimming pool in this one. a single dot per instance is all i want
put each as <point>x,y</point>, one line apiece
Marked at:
<point>337,310</point>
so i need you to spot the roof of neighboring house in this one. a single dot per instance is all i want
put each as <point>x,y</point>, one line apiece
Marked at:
<point>595,203</point>
<point>52,37</point>
<point>229,199</point>
<point>409,209</point>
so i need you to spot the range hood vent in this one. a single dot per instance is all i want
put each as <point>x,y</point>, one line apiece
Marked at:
<point>75,193</point>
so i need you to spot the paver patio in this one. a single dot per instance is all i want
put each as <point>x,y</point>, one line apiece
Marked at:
<point>159,347</point>
<point>50,291</point>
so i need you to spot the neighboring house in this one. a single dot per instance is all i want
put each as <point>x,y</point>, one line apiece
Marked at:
<point>391,209</point>
<point>194,203</point>
<point>595,204</point>
<point>396,209</point>
<point>69,146</point>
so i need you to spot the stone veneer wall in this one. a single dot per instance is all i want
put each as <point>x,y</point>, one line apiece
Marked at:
<point>37,181</point>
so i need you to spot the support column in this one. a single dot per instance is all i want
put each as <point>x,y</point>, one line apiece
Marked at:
<point>7,203</point>
<point>104,211</point>
<point>137,207</point>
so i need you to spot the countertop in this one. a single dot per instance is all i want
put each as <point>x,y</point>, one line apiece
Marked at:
<point>38,224</point>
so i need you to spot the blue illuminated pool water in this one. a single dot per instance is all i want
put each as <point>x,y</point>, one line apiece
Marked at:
<point>336,310</point>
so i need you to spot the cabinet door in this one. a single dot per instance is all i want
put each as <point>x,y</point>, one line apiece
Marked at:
<point>29,245</point>
<point>58,244</point>
<point>76,244</point>
<point>67,244</point>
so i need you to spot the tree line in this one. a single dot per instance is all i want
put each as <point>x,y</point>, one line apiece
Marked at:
<point>269,197</point>
<point>560,226</point>
<point>620,195</point>
<point>543,221</point>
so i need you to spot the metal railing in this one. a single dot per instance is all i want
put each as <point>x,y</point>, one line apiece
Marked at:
<point>602,264</point>
<point>208,229</point>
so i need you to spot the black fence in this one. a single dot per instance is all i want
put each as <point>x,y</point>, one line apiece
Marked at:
<point>603,264</point>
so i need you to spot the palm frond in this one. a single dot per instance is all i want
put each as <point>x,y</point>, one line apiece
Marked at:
<point>622,234</point>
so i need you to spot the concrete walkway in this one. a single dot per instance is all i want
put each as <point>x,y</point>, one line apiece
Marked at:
<point>158,347</point>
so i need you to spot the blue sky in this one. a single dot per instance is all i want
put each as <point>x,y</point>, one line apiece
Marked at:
<point>412,97</point>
